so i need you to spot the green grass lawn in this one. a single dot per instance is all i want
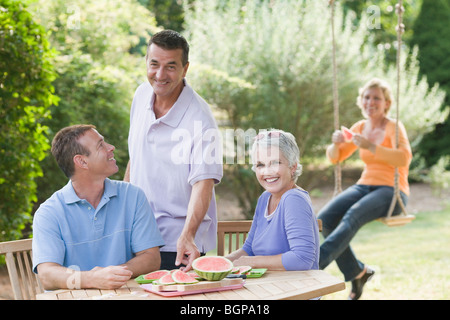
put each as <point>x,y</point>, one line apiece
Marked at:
<point>411,262</point>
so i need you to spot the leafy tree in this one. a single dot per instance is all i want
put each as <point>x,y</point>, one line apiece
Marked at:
<point>168,13</point>
<point>382,20</point>
<point>268,64</point>
<point>99,65</point>
<point>432,36</point>
<point>26,93</point>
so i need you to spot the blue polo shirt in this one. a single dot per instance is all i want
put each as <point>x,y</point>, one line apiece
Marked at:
<point>68,230</point>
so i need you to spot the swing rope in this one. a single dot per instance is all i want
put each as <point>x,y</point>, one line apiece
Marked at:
<point>337,167</point>
<point>338,173</point>
<point>400,30</point>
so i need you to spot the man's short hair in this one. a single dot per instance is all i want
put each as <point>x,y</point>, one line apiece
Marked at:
<point>65,146</point>
<point>171,40</point>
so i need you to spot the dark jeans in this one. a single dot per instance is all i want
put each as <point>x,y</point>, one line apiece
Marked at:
<point>344,215</point>
<point>168,260</point>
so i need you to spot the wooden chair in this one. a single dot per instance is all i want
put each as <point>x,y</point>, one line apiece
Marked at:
<point>24,282</point>
<point>236,232</point>
<point>319,223</point>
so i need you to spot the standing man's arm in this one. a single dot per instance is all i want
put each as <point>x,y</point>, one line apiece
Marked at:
<point>201,195</point>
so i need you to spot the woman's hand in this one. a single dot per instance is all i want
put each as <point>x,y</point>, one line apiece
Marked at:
<point>337,137</point>
<point>243,261</point>
<point>333,149</point>
<point>363,143</point>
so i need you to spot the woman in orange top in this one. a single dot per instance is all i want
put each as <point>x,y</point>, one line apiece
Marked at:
<point>370,197</point>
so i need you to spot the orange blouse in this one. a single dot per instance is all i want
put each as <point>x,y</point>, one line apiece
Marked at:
<point>379,168</point>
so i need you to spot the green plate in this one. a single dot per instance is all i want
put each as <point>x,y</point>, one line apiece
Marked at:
<point>142,280</point>
<point>256,273</point>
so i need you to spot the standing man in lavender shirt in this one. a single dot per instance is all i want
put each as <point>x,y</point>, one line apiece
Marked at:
<point>175,153</point>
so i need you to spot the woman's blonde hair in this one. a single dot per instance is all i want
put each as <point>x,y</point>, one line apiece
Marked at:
<point>375,83</point>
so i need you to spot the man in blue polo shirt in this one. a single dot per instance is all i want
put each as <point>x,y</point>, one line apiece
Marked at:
<point>94,232</point>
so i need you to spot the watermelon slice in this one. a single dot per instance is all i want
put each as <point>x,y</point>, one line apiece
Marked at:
<point>235,270</point>
<point>183,278</point>
<point>166,280</point>
<point>194,274</point>
<point>155,275</point>
<point>241,270</point>
<point>244,269</point>
<point>348,134</point>
<point>213,268</point>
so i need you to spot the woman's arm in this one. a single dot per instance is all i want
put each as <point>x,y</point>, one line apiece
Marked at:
<point>302,234</point>
<point>400,157</point>
<point>269,262</point>
<point>397,157</point>
<point>339,150</point>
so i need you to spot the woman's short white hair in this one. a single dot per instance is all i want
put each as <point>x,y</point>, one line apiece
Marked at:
<point>286,143</point>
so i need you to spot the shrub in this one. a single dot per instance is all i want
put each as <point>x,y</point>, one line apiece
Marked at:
<point>26,94</point>
<point>99,65</point>
<point>268,64</point>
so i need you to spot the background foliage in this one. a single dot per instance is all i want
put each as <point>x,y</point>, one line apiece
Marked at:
<point>26,93</point>
<point>259,63</point>
<point>99,65</point>
<point>168,13</point>
<point>433,39</point>
<point>283,56</point>
<point>382,21</point>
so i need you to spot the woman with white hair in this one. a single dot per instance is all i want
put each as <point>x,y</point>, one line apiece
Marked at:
<point>284,234</point>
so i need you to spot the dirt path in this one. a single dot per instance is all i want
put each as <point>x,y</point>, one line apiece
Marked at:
<point>421,199</point>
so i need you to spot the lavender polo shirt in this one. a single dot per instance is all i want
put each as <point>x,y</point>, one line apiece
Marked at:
<point>169,155</point>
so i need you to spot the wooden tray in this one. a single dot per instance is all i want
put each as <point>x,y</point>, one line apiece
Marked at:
<point>200,287</point>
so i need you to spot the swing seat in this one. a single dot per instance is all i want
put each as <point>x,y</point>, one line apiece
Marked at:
<point>397,221</point>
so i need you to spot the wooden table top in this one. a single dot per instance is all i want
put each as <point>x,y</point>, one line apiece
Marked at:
<point>273,285</point>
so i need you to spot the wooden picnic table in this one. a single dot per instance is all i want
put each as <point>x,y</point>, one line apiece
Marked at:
<point>273,285</point>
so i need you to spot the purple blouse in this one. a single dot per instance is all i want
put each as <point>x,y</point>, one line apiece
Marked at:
<point>291,230</point>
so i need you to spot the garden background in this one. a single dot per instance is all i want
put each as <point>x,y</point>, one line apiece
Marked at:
<point>259,64</point>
